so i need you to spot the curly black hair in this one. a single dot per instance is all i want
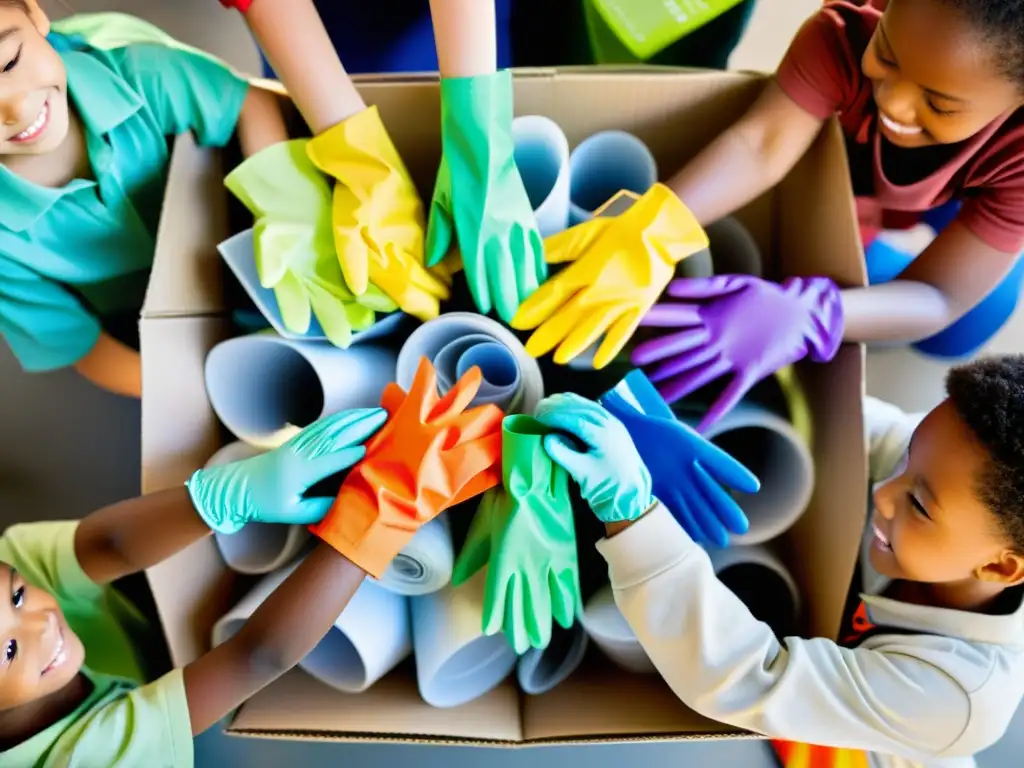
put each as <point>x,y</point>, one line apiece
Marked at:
<point>988,394</point>
<point>1001,24</point>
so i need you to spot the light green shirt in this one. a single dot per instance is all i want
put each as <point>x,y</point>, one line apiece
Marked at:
<point>120,723</point>
<point>73,254</point>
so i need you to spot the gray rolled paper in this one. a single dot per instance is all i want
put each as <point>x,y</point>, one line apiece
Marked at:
<point>425,564</point>
<point>607,627</point>
<point>541,669</point>
<point>542,156</point>
<point>604,164</point>
<point>759,578</point>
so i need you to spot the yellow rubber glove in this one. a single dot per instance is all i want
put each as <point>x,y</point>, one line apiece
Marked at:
<point>378,216</point>
<point>622,265</point>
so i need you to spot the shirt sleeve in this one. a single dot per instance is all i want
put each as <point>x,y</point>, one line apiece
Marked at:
<point>821,69</point>
<point>44,553</point>
<point>889,431</point>
<point>186,90</point>
<point>43,323</point>
<point>723,663</point>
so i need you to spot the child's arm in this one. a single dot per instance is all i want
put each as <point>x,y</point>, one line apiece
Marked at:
<point>261,122</point>
<point>113,366</point>
<point>465,31</point>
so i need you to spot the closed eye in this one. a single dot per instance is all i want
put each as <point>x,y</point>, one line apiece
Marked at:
<point>917,505</point>
<point>13,62</point>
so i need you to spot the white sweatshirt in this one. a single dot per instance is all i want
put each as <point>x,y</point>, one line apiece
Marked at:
<point>948,690</point>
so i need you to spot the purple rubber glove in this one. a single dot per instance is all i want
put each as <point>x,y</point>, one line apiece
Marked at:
<point>740,325</point>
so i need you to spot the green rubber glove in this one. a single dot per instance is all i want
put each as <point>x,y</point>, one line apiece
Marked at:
<point>524,534</point>
<point>294,243</point>
<point>268,488</point>
<point>480,199</point>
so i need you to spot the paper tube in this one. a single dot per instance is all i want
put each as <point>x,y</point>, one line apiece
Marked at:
<point>540,670</point>
<point>542,156</point>
<point>456,341</point>
<point>425,564</point>
<point>604,164</point>
<point>455,661</point>
<point>238,254</point>
<point>608,628</point>
<point>733,249</point>
<point>758,578</point>
<point>259,547</point>
<point>265,388</point>
<point>227,626</point>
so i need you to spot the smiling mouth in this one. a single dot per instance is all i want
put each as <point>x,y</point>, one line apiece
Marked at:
<point>899,128</point>
<point>36,128</point>
<point>59,654</point>
<point>880,542</point>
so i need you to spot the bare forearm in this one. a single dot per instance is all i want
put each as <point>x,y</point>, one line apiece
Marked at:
<point>466,37</point>
<point>261,123</point>
<point>136,534</point>
<point>282,631</point>
<point>295,42</point>
<point>113,366</point>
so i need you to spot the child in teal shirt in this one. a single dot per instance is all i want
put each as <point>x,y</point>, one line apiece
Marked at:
<point>84,152</point>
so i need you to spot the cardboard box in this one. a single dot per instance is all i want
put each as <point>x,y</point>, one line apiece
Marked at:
<point>805,226</point>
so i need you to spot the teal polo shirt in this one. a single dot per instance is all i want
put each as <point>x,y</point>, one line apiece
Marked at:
<point>70,256</point>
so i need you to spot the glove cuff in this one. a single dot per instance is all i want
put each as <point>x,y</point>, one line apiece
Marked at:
<point>200,488</point>
<point>360,136</point>
<point>825,303</point>
<point>258,181</point>
<point>478,106</point>
<point>371,551</point>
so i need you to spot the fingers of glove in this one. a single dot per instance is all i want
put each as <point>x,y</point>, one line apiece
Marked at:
<point>615,339</point>
<point>339,430</point>
<point>727,510</point>
<point>458,398</point>
<point>705,512</point>
<point>572,243</point>
<point>588,325</point>
<point>423,390</point>
<point>685,383</point>
<point>722,466</point>
<point>558,326</point>
<point>308,511</point>
<point>547,300</point>
<point>331,464</point>
<point>684,362</point>
<point>670,345</point>
<point>527,259</point>
<point>353,255</point>
<point>679,507</point>
<point>293,304</point>
<point>577,464</point>
<point>515,615</point>
<point>535,245</point>
<point>476,551</point>
<point>703,288</point>
<point>337,318</point>
<point>536,616</point>
<point>564,587</point>
<point>730,397</point>
<point>669,315</point>
<point>501,280</point>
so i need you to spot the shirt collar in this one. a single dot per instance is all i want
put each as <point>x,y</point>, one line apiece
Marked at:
<point>1006,629</point>
<point>104,101</point>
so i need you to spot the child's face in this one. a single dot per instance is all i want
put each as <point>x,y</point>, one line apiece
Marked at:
<point>39,654</point>
<point>929,525</point>
<point>936,81</point>
<point>33,85</point>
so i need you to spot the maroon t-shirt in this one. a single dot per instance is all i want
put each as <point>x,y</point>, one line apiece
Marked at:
<point>821,72</point>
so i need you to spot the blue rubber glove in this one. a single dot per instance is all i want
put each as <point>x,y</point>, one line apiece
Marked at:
<point>688,471</point>
<point>268,488</point>
<point>604,462</point>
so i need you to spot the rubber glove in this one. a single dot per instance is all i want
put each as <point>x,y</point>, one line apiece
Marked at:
<point>431,455</point>
<point>291,201</point>
<point>603,460</point>
<point>689,473</point>
<point>524,534</point>
<point>268,488</point>
<point>479,198</point>
<point>740,325</point>
<point>378,216</point>
<point>622,264</point>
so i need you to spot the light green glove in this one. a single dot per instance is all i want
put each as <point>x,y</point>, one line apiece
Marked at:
<point>480,199</point>
<point>524,534</point>
<point>294,243</point>
<point>268,488</point>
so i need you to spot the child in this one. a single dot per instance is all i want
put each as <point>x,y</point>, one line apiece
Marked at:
<point>57,708</point>
<point>930,664</point>
<point>928,93</point>
<point>83,161</point>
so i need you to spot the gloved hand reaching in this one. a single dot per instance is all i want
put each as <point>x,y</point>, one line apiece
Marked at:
<point>621,266</point>
<point>479,199</point>
<point>688,471</point>
<point>431,455</point>
<point>740,325</point>
<point>294,247</point>
<point>524,534</point>
<point>378,216</point>
<point>268,488</point>
<point>598,453</point>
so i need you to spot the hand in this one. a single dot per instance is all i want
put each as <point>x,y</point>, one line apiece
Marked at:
<point>431,455</point>
<point>378,216</point>
<point>295,254</point>
<point>604,462</point>
<point>741,325</point>
<point>268,488</point>
<point>621,266</point>
<point>480,199</point>
<point>690,474</point>
<point>524,534</point>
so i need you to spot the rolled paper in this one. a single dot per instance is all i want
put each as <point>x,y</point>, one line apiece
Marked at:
<point>238,254</point>
<point>265,388</point>
<point>259,547</point>
<point>425,565</point>
<point>733,249</point>
<point>542,156</point>
<point>540,670</point>
<point>456,341</point>
<point>455,661</point>
<point>608,629</point>
<point>604,164</point>
<point>759,578</point>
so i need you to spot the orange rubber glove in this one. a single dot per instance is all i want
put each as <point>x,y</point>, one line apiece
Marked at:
<point>430,455</point>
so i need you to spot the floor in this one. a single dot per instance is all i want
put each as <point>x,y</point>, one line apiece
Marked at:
<point>48,470</point>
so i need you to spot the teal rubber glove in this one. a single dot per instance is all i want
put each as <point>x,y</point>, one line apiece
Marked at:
<point>479,197</point>
<point>269,488</point>
<point>524,534</point>
<point>603,461</point>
